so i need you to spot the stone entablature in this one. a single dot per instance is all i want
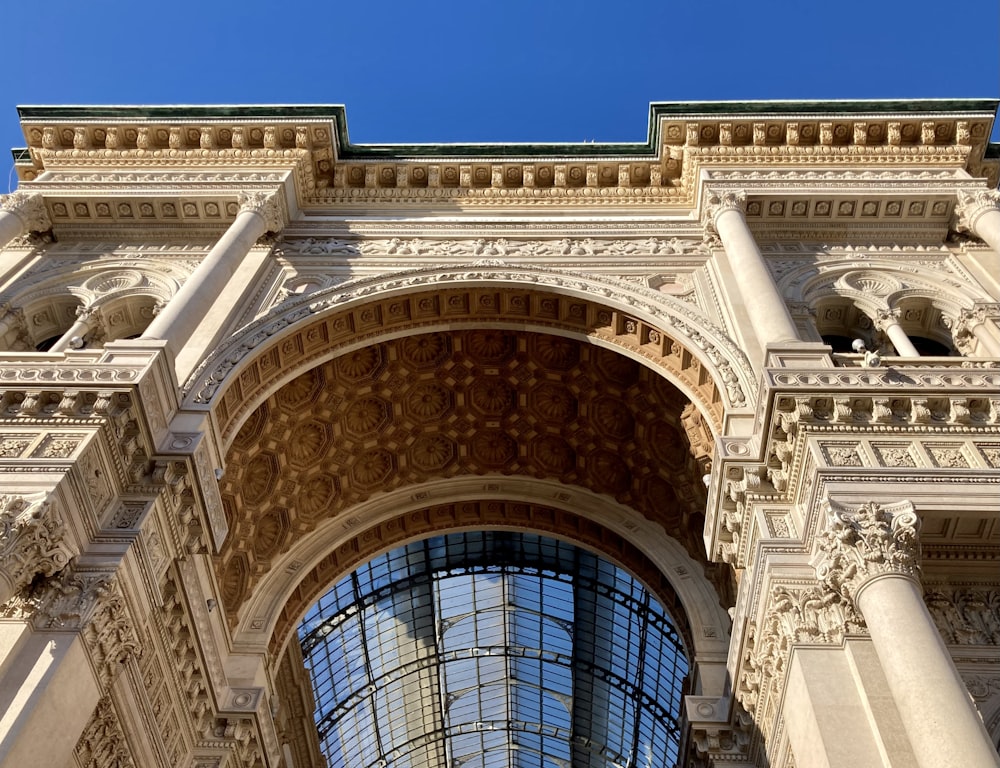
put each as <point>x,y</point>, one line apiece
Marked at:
<point>312,144</point>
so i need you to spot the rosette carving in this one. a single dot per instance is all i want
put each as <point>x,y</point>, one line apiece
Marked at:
<point>863,544</point>
<point>31,542</point>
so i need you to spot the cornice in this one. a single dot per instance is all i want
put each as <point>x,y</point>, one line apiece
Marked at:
<point>682,138</point>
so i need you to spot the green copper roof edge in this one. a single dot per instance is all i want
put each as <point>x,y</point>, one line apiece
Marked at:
<point>347,151</point>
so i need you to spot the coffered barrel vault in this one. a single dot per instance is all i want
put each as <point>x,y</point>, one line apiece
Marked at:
<point>748,370</point>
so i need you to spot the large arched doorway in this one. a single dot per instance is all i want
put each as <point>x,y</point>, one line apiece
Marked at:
<point>485,428</point>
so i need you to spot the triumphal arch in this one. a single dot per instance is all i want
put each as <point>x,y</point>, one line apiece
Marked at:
<point>682,453</point>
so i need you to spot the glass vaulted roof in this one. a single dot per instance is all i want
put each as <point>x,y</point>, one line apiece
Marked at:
<point>494,650</point>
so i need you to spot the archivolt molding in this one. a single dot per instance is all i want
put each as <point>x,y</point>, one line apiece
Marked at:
<point>878,284</point>
<point>296,335</point>
<point>334,549</point>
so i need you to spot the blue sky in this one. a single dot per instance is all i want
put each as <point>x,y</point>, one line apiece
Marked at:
<point>514,70</point>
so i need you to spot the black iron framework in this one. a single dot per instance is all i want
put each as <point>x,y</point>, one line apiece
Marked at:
<point>494,650</point>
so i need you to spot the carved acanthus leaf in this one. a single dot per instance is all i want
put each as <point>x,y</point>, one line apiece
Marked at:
<point>29,207</point>
<point>31,542</point>
<point>868,542</point>
<point>266,205</point>
<point>972,205</point>
<point>721,202</point>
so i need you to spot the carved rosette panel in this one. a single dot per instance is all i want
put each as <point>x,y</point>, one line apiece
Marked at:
<point>863,544</point>
<point>470,402</point>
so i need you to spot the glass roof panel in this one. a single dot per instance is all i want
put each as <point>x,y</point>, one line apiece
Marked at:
<point>494,650</point>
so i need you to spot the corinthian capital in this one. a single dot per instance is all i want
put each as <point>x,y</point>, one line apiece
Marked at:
<point>972,205</point>
<point>868,542</point>
<point>29,208</point>
<point>886,317</point>
<point>31,542</point>
<point>720,202</point>
<point>266,205</point>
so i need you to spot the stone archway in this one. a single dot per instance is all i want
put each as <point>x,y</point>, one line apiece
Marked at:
<point>698,357</point>
<point>539,422</point>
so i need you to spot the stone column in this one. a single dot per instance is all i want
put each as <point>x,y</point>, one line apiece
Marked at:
<point>11,320</point>
<point>73,641</point>
<point>888,322</point>
<point>871,557</point>
<point>20,213</point>
<point>259,213</point>
<point>973,322</point>
<point>87,319</point>
<point>979,214</point>
<point>767,309</point>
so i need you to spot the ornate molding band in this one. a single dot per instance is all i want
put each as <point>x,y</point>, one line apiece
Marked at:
<point>863,544</point>
<point>728,364</point>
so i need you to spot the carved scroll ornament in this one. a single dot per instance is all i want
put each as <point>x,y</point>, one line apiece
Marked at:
<point>871,541</point>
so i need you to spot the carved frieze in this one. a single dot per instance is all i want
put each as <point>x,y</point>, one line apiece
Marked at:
<point>965,616</point>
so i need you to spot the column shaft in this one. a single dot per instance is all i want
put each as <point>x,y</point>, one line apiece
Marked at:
<point>990,345</point>
<point>11,226</point>
<point>934,705</point>
<point>768,312</point>
<point>80,329</point>
<point>904,347</point>
<point>179,319</point>
<point>987,228</point>
<point>47,696</point>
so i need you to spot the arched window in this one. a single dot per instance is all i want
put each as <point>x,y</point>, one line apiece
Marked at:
<point>494,649</point>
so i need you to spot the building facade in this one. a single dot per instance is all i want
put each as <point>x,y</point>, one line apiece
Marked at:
<point>754,362</point>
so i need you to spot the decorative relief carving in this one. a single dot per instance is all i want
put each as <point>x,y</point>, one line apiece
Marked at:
<point>267,205</point>
<point>31,542</point>
<point>29,207</point>
<point>965,616</point>
<point>102,743</point>
<point>471,249</point>
<point>863,544</point>
<point>795,614</point>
